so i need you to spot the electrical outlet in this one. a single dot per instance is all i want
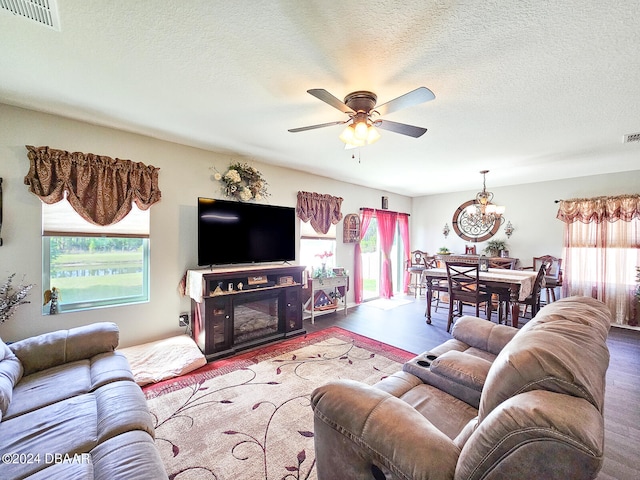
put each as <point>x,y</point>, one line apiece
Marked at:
<point>184,320</point>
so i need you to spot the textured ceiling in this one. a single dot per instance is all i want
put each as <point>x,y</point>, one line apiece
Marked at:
<point>531,90</point>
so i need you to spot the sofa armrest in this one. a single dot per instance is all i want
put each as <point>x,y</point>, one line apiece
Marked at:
<point>457,373</point>
<point>360,429</point>
<point>482,334</point>
<point>63,346</point>
<point>461,368</point>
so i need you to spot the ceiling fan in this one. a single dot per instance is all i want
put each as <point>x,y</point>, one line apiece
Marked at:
<point>364,116</point>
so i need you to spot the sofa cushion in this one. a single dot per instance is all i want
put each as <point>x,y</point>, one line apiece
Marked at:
<point>43,387</point>
<point>130,456</point>
<point>69,426</point>
<point>10,374</point>
<point>55,348</point>
<point>445,412</point>
<point>484,335</point>
<point>468,370</point>
<point>563,349</point>
<point>82,468</point>
<point>74,425</point>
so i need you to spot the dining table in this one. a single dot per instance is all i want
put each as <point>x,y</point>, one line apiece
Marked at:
<point>519,282</point>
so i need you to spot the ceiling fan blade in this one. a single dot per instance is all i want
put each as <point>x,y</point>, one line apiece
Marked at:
<point>419,95</point>
<point>401,128</point>
<point>322,94</point>
<point>321,125</point>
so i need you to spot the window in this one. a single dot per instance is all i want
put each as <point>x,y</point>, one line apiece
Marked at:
<point>94,266</point>
<point>313,245</point>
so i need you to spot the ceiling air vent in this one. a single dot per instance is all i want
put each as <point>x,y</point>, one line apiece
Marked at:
<point>44,12</point>
<point>632,137</point>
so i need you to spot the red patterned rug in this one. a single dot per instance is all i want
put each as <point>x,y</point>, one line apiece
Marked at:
<point>249,416</point>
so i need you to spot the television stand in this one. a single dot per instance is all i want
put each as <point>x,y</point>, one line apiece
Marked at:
<point>243,307</point>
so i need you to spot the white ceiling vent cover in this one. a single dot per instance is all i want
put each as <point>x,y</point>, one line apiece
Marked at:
<point>44,12</point>
<point>632,137</point>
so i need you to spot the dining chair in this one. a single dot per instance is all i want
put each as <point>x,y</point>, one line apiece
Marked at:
<point>463,280</point>
<point>415,267</point>
<point>502,295</point>
<point>533,300</point>
<point>553,276</point>
<point>437,286</point>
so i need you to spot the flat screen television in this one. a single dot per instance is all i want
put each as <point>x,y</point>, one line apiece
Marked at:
<point>234,232</point>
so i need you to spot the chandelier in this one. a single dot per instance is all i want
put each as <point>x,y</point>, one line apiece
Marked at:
<point>482,213</point>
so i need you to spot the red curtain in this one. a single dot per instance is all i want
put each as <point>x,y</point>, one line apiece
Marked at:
<point>403,225</point>
<point>387,229</point>
<point>365,220</point>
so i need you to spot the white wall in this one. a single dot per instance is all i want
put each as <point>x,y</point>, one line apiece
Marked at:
<point>184,175</point>
<point>530,208</point>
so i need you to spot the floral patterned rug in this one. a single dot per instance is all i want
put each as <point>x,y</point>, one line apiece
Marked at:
<point>249,417</point>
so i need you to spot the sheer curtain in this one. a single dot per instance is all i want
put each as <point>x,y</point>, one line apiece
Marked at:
<point>602,250</point>
<point>387,229</point>
<point>365,220</point>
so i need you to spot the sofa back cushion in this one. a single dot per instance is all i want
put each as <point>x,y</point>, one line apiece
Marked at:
<point>563,349</point>
<point>10,374</point>
<point>63,346</point>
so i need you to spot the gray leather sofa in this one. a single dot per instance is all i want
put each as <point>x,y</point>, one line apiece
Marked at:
<point>491,403</point>
<point>69,409</point>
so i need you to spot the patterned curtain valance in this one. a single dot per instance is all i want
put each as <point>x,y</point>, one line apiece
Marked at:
<point>600,209</point>
<point>101,189</point>
<point>320,210</point>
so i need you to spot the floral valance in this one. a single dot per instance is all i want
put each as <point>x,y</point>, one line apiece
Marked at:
<point>318,209</point>
<point>600,209</point>
<point>101,189</point>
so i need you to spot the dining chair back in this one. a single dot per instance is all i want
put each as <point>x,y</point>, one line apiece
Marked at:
<point>506,263</point>
<point>463,280</point>
<point>553,275</point>
<point>415,267</point>
<point>437,286</point>
<point>533,300</point>
<point>502,295</point>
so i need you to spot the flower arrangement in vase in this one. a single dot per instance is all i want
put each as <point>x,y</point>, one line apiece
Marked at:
<point>323,272</point>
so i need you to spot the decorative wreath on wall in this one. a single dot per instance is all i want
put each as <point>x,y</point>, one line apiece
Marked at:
<point>243,182</point>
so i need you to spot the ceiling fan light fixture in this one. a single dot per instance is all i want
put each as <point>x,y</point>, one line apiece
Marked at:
<point>348,135</point>
<point>361,130</point>
<point>372,135</point>
<point>359,135</point>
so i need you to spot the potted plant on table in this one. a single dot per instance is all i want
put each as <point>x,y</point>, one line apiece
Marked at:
<point>494,248</point>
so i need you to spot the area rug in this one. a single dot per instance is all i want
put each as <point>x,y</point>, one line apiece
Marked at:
<point>249,417</point>
<point>387,303</point>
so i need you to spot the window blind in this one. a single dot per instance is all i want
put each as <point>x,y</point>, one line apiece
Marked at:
<point>60,219</point>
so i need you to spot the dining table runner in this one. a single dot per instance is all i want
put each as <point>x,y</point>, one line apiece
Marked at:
<point>524,279</point>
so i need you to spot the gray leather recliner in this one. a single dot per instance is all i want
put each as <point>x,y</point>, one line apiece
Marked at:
<point>491,403</point>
